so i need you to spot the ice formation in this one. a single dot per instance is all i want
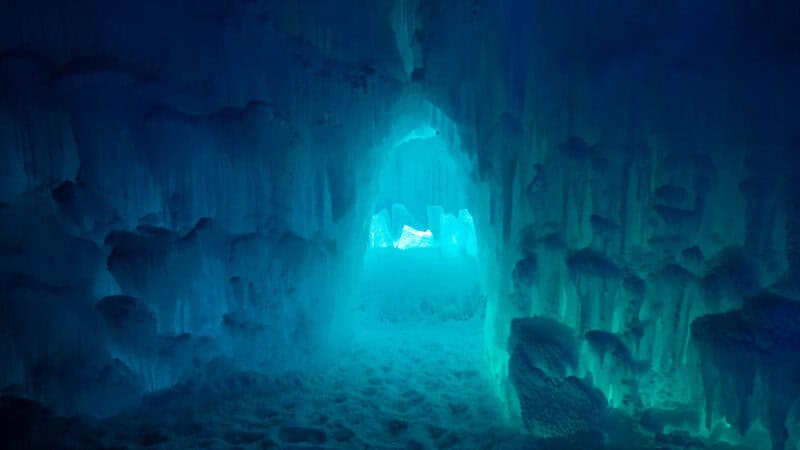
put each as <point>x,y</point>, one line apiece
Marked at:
<point>580,218</point>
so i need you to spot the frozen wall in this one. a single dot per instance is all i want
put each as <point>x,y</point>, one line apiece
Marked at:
<point>641,165</point>
<point>182,183</point>
<point>197,178</point>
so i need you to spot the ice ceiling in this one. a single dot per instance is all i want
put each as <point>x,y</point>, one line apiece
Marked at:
<point>190,185</point>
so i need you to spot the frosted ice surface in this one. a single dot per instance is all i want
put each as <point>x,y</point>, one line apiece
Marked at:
<point>412,238</point>
<point>380,233</point>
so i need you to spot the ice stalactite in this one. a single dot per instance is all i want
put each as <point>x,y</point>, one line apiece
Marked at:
<point>749,361</point>
<point>612,367</point>
<point>37,137</point>
<point>636,189</point>
<point>668,316</point>
<point>596,280</point>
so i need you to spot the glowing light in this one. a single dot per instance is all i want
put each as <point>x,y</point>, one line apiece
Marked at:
<point>455,234</point>
<point>411,238</point>
<point>380,234</point>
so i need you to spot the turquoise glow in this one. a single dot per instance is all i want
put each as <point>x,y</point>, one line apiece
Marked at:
<point>412,238</point>
<point>455,234</point>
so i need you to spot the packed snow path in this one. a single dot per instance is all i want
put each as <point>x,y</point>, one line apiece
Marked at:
<point>397,387</point>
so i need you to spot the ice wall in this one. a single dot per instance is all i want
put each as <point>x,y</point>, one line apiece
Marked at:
<point>185,184</point>
<point>638,160</point>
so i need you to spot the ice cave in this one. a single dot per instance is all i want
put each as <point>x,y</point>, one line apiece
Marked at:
<point>400,224</point>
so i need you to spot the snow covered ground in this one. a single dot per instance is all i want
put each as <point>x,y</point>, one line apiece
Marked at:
<point>399,386</point>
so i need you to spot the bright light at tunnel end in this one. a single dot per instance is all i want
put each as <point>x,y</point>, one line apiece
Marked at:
<point>412,238</point>
<point>454,232</point>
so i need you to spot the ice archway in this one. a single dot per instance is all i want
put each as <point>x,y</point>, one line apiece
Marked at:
<point>187,194</point>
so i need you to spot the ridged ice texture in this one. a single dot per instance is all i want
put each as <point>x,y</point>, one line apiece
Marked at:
<point>634,186</point>
<point>182,187</point>
<point>631,169</point>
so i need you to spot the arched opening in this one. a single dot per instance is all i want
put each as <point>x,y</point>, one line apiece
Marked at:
<point>421,264</point>
<point>418,341</point>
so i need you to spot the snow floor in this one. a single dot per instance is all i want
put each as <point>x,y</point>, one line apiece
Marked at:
<point>399,386</point>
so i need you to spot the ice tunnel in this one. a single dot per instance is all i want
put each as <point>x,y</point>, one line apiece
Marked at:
<point>418,224</point>
<point>421,267</point>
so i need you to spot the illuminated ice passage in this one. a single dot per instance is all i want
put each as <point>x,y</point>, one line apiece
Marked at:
<point>421,266</point>
<point>405,224</point>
